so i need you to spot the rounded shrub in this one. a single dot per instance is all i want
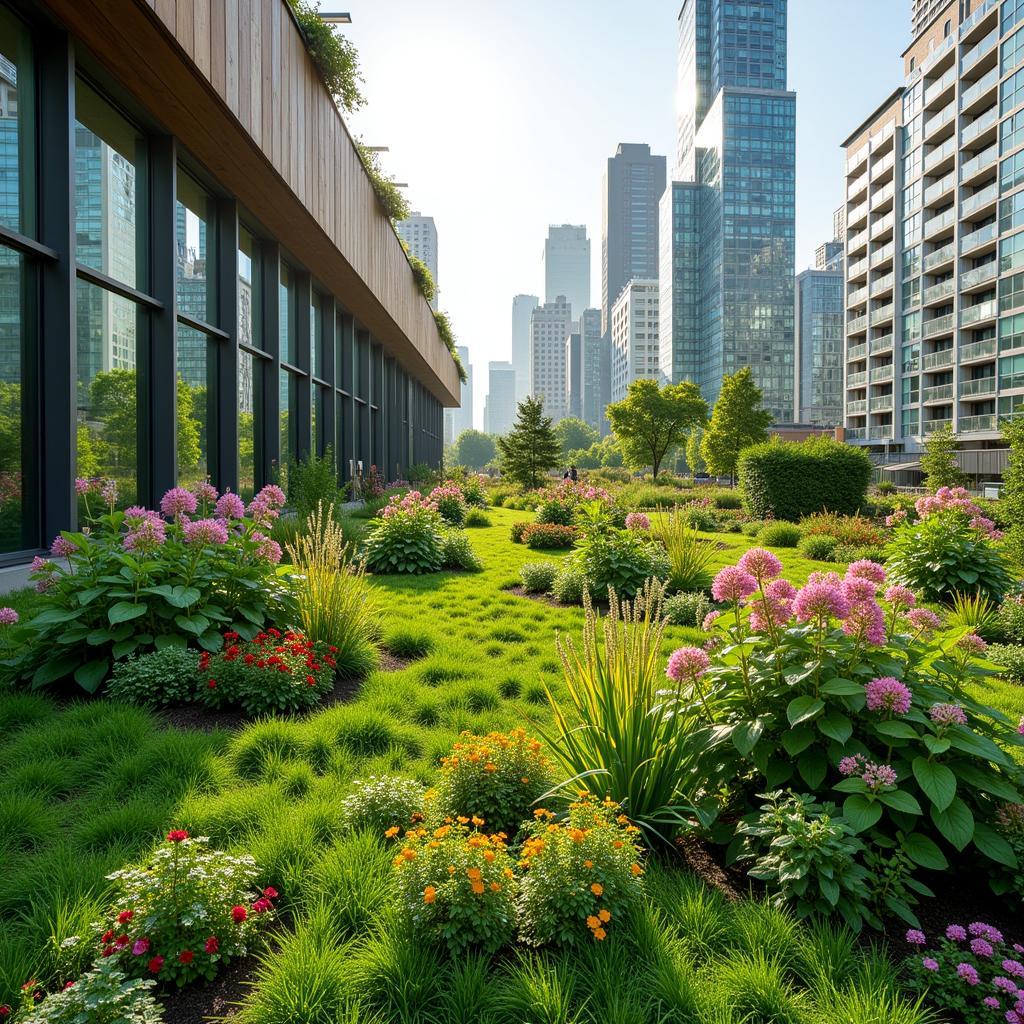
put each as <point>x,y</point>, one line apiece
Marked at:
<point>1011,658</point>
<point>751,528</point>
<point>786,480</point>
<point>569,584</point>
<point>846,553</point>
<point>408,538</point>
<point>557,509</point>
<point>779,535</point>
<point>620,560</point>
<point>450,503</point>
<point>518,529</point>
<point>1010,618</point>
<point>687,609</point>
<point>549,536</point>
<point>818,546</point>
<point>383,802</point>
<point>728,499</point>
<point>475,517</point>
<point>408,643</point>
<point>157,679</point>
<point>538,577</point>
<point>457,553</point>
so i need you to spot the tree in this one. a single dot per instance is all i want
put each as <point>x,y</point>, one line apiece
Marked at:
<point>651,421</point>
<point>938,463</point>
<point>1013,492</point>
<point>191,426</point>
<point>694,459</point>
<point>573,434</point>
<point>737,422</point>
<point>530,448</point>
<point>473,449</point>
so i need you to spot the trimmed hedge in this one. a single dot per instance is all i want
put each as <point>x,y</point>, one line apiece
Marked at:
<point>545,536</point>
<point>790,480</point>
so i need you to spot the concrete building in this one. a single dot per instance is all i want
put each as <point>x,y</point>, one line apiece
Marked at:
<point>934,305</point>
<point>461,418</point>
<point>735,206</point>
<point>500,407</point>
<point>419,232</point>
<point>567,266</point>
<point>632,185</point>
<point>522,307</point>
<point>924,12</point>
<point>574,375</point>
<point>819,347</point>
<point>597,370</point>
<point>634,330</point>
<point>550,325</point>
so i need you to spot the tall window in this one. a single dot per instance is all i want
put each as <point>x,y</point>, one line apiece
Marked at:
<point>251,362</point>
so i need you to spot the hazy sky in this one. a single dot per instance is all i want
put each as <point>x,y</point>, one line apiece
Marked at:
<point>500,117</point>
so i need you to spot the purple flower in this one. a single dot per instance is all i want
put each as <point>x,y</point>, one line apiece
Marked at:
<point>900,597</point>
<point>916,937</point>
<point>230,506</point>
<point>979,947</point>
<point>877,776</point>
<point>1004,984</point>
<point>147,535</point>
<point>968,973</point>
<point>1014,967</point>
<point>780,590</point>
<point>205,491</point>
<point>135,513</point>
<point>733,584</point>
<point>923,619</point>
<point>929,964</point>
<point>986,931</point>
<point>851,765</point>
<point>972,644</point>
<point>866,621</point>
<point>947,714</point>
<point>637,521</point>
<point>888,694</point>
<point>272,496</point>
<point>991,1002</point>
<point>140,946</point>
<point>709,620</point>
<point>206,531</point>
<point>108,492</point>
<point>819,600</point>
<point>857,589</point>
<point>687,663</point>
<point>956,932</point>
<point>83,486</point>
<point>868,570</point>
<point>62,547</point>
<point>8,617</point>
<point>1020,727</point>
<point>178,502</point>
<point>761,564</point>
<point>269,550</point>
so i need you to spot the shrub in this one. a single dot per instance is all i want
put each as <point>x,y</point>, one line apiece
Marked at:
<point>728,499</point>
<point>273,672</point>
<point>779,535</point>
<point>963,970</point>
<point>157,679</point>
<point>457,553</point>
<point>474,491</point>
<point>103,995</point>
<point>408,538</point>
<point>1011,658</point>
<point>581,875</point>
<point>688,556</point>
<point>1010,618</point>
<point>408,643</point>
<point>943,555</point>
<point>619,560</point>
<point>853,530</point>
<point>846,553</point>
<point>972,613</point>
<point>1010,826</point>
<point>687,609</point>
<point>558,510</point>
<point>806,855</point>
<point>499,497</point>
<point>518,529</point>
<point>885,487</point>
<point>457,887</point>
<point>336,606</point>
<point>140,580</point>
<point>187,898</point>
<point>548,536</point>
<point>475,518</point>
<point>752,527</point>
<point>538,577</point>
<point>790,480</point>
<point>335,57</point>
<point>495,777</point>
<point>383,802</point>
<point>569,584</point>
<point>818,546</point>
<point>447,498</point>
<point>698,514</point>
<point>312,482</point>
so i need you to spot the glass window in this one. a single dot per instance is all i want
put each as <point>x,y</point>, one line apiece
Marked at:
<point>316,331</point>
<point>1011,172</point>
<point>249,291</point>
<point>1011,253</point>
<point>17,126</point>
<point>1011,372</point>
<point>287,330</point>
<point>109,165</point>
<point>1011,332</point>
<point>287,398</point>
<point>1011,213</point>
<point>1012,52</point>
<point>1011,406</point>
<point>911,326</point>
<point>1011,92</point>
<point>16,534</point>
<point>1011,13</point>
<point>195,231</point>
<point>196,361</point>
<point>250,377</point>
<point>1011,133</point>
<point>107,420</point>
<point>1011,292</point>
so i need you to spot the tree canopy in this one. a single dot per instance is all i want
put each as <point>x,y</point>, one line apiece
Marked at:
<point>737,422</point>
<point>938,462</point>
<point>473,449</point>
<point>574,434</point>
<point>530,448</point>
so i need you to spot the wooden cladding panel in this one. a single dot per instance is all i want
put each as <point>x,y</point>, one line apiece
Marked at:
<point>249,104</point>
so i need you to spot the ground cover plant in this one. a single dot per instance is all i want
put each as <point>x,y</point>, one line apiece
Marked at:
<point>92,786</point>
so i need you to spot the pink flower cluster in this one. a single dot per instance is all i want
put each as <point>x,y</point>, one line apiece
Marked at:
<point>971,643</point>
<point>687,664</point>
<point>945,715</point>
<point>874,776</point>
<point>822,598</point>
<point>888,694</point>
<point>637,521</point>
<point>411,501</point>
<point>924,620</point>
<point>8,617</point>
<point>733,584</point>
<point>205,531</point>
<point>448,490</point>
<point>957,498</point>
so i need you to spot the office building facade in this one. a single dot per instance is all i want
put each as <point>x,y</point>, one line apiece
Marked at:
<point>595,345</point>
<point>567,266</point>
<point>819,347</point>
<point>419,233</point>
<point>574,374</point>
<point>214,306</point>
<point>634,330</point>
<point>500,407</point>
<point>550,325</point>
<point>522,308</point>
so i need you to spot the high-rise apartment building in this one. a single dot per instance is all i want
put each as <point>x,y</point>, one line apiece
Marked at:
<point>500,407</point>
<point>730,303</point>
<point>522,307</point>
<point>934,326</point>
<point>550,325</point>
<point>634,327</point>
<point>420,234</point>
<point>597,370</point>
<point>567,266</point>
<point>819,347</point>
<point>633,182</point>
<point>924,12</point>
<point>459,419</point>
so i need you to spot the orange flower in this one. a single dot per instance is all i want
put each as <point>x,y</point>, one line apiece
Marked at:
<point>408,854</point>
<point>451,869</point>
<point>440,833</point>
<point>495,887</point>
<point>599,934</point>
<point>605,915</point>
<point>577,835</point>
<point>588,864</point>
<point>617,844</point>
<point>477,821</point>
<point>477,887</point>
<point>636,869</point>
<point>473,873</point>
<point>597,888</point>
<point>525,780</point>
<point>507,872</point>
<point>392,832</point>
<point>593,922</point>
<point>462,820</point>
<point>490,767</point>
<point>489,856</point>
<point>429,894</point>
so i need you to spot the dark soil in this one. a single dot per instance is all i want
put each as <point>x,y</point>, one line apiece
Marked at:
<point>698,857</point>
<point>392,663</point>
<point>196,1004</point>
<point>520,591</point>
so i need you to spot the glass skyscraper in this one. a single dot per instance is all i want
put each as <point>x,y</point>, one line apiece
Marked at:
<point>727,268</point>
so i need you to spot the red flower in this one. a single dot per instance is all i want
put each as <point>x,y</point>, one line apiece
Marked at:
<point>211,684</point>
<point>177,835</point>
<point>283,668</point>
<point>311,680</point>
<point>122,941</point>
<point>249,659</point>
<point>212,944</point>
<point>5,1011</point>
<point>107,936</point>
<point>274,632</point>
<point>186,956</point>
<point>261,906</point>
<point>156,964</point>
<point>261,663</point>
<point>239,914</point>
<point>108,950</point>
<point>270,892</point>
<point>68,985</point>
<point>333,649</point>
<point>231,635</point>
<point>125,916</point>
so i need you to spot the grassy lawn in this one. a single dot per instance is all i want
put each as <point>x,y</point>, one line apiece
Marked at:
<point>91,785</point>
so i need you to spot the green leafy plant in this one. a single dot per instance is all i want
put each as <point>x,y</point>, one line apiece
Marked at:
<point>518,529</point>
<point>856,530</point>
<point>335,56</point>
<point>689,558</point>
<point>846,553</point>
<point>779,535</point>
<point>383,802</point>
<point>548,536</point>
<point>389,195</point>
<point>476,518</point>
<point>972,613</point>
<point>408,537</point>
<point>581,875</point>
<point>156,679</point>
<point>450,503</point>
<point>313,481</point>
<point>1010,657</point>
<point>687,609</point>
<point>447,335</point>
<point>737,422</point>
<point>818,546</point>
<point>938,461</point>
<point>1010,619</point>
<point>103,995</point>
<point>457,553</point>
<point>538,577</point>
<point>558,508</point>
<point>619,561</point>
<point>569,584</point>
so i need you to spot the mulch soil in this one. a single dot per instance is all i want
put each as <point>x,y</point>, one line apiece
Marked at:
<point>196,1004</point>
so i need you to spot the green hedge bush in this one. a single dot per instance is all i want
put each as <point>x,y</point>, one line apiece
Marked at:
<point>786,480</point>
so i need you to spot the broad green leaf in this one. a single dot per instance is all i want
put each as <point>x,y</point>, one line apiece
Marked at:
<point>55,616</point>
<point>777,771</point>
<point>860,812</point>
<point>936,744</point>
<point>836,726</point>
<point>842,688</point>
<point>746,734</point>
<point>170,640</point>
<point>924,851</point>
<point>54,669</point>
<point>989,782</point>
<point>937,781</point>
<point>802,709</point>
<point>994,846</point>
<point>956,823</point>
<point>813,767</point>
<point>974,743</point>
<point>797,740</point>
<point>896,729</point>
<point>91,675</point>
<point>900,801</point>
<point>124,611</point>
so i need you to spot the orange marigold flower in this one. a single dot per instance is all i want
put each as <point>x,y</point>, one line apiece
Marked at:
<point>618,844</point>
<point>593,922</point>
<point>489,856</point>
<point>392,832</point>
<point>525,780</point>
<point>507,872</point>
<point>597,888</point>
<point>605,915</point>
<point>440,833</point>
<point>451,869</point>
<point>540,812</point>
<point>473,873</point>
<point>577,835</point>
<point>588,864</point>
<point>490,767</point>
<point>462,821</point>
<point>495,887</point>
<point>477,887</point>
<point>599,934</point>
<point>477,821</point>
<point>636,869</point>
<point>429,894</point>
<point>408,854</point>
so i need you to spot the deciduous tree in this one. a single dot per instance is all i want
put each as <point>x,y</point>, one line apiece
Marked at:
<point>938,463</point>
<point>473,449</point>
<point>737,422</point>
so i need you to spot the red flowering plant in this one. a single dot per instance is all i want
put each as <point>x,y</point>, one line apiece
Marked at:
<point>273,672</point>
<point>184,913</point>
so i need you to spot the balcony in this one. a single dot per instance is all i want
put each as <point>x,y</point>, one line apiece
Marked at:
<point>882,315</point>
<point>978,388</point>
<point>980,162</point>
<point>883,199</point>
<point>880,256</point>
<point>857,408</point>
<point>857,188</point>
<point>972,95</point>
<point>857,380</point>
<point>855,160</point>
<point>976,239</point>
<point>975,53</point>
<point>857,243</point>
<point>940,156</point>
<point>938,326</point>
<point>882,169</point>
<point>978,127</point>
<point>937,360</point>
<point>936,293</point>
<point>978,351</point>
<point>940,223</point>
<point>979,276</point>
<point>973,424</point>
<point>857,269</point>
<point>858,297</point>
<point>979,312</point>
<point>939,121</point>
<point>856,433</point>
<point>937,189</point>
<point>939,393</point>
<point>939,258</point>
<point>881,228</point>
<point>857,325</point>
<point>880,433</point>
<point>856,352</point>
<point>972,205</point>
<point>881,404</point>
<point>940,87</point>
<point>857,215</point>
<point>930,426</point>
<point>879,374</point>
<point>883,136</point>
<point>881,285</point>
<point>979,15</point>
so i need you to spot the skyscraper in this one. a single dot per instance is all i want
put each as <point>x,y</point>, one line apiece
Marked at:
<point>597,372</point>
<point>522,307</point>
<point>550,325</point>
<point>923,12</point>
<point>574,374</point>
<point>460,419</point>
<point>419,233</point>
<point>819,347</point>
<point>632,186</point>
<point>737,152</point>
<point>500,407</point>
<point>567,266</point>
<point>634,325</point>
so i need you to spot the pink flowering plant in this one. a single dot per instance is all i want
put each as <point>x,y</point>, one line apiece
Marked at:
<point>845,686</point>
<point>562,503</point>
<point>972,973</point>
<point>139,579</point>
<point>450,502</point>
<point>407,537</point>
